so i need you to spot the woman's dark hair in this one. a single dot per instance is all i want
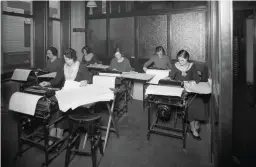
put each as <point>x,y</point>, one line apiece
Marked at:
<point>183,53</point>
<point>87,48</point>
<point>117,49</point>
<point>71,54</point>
<point>160,48</point>
<point>53,50</point>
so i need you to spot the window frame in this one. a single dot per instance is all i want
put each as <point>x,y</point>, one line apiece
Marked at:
<point>32,47</point>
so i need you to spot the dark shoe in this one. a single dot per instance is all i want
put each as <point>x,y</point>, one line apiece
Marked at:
<point>195,137</point>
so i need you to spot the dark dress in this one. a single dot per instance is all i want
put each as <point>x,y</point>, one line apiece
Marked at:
<point>53,66</point>
<point>58,81</point>
<point>93,60</point>
<point>194,112</point>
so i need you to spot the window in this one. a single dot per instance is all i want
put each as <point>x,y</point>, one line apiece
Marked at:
<point>54,34</point>
<point>17,35</point>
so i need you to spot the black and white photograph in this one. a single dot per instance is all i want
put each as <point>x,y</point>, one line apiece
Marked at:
<point>128,83</point>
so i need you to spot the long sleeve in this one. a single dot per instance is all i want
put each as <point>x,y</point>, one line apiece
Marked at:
<point>112,64</point>
<point>173,72</point>
<point>149,62</point>
<point>169,64</point>
<point>59,77</point>
<point>83,74</point>
<point>128,66</point>
<point>196,77</point>
<point>95,59</point>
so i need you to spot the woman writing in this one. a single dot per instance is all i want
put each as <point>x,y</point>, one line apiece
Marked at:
<point>72,70</point>
<point>160,60</point>
<point>89,57</point>
<point>120,63</point>
<point>183,70</point>
<point>53,62</point>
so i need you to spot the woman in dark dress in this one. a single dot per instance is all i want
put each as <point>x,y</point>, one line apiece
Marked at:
<point>72,70</point>
<point>89,57</point>
<point>119,62</point>
<point>184,70</point>
<point>53,62</point>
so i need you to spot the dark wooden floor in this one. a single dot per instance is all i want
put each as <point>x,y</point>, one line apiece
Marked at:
<point>131,149</point>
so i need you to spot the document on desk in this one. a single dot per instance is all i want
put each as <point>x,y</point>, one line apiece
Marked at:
<point>164,90</point>
<point>138,76</point>
<point>50,75</point>
<point>200,88</point>
<point>24,103</point>
<point>159,74</point>
<point>20,74</point>
<point>106,81</point>
<point>99,66</point>
<point>69,84</point>
<point>110,74</point>
<point>73,98</point>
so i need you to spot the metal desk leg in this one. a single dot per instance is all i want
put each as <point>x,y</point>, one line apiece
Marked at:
<point>149,120</point>
<point>46,133</point>
<point>111,119</point>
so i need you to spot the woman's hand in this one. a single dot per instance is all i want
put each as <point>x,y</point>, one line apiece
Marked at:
<point>144,69</point>
<point>83,83</point>
<point>44,84</point>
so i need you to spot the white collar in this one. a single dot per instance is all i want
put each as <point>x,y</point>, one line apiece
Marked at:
<point>181,68</point>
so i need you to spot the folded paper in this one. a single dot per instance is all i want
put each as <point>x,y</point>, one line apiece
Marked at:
<point>159,74</point>
<point>20,74</point>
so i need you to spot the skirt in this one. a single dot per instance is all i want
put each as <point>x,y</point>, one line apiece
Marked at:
<point>197,110</point>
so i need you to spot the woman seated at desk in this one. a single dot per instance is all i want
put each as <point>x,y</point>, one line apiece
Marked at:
<point>72,70</point>
<point>53,62</point>
<point>160,60</point>
<point>120,63</point>
<point>89,57</point>
<point>183,70</point>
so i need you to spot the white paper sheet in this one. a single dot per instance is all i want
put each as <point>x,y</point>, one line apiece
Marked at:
<point>98,66</point>
<point>20,74</point>
<point>159,74</point>
<point>201,87</point>
<point>50,75</point>
<point>105,81</point>
<point>138,76</point>
<point>73,98</point>
<point>69,84</point>
<point>164,90</point>
<point>110,74</point>
<point>24,103</point>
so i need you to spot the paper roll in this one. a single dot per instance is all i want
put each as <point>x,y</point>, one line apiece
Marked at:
<point>159,74</point>
<point>24,103</point>
<point>105,81</point>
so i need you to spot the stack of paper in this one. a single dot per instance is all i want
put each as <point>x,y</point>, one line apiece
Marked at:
<point>73,98</point>
<point>200,88</point>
